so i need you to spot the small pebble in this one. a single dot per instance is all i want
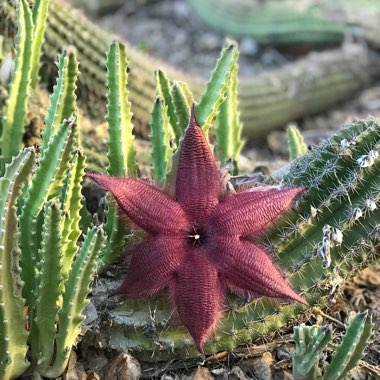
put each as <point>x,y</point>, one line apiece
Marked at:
<point>263,366</point>
<point>202,373</point>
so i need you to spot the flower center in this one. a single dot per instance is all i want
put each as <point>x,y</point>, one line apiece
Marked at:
<point>196,237</point>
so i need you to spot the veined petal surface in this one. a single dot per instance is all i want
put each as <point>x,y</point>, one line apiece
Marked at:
<point>248,267</point>
<point>249,212</point>
<point>197,298</point>
<point>148,207</point>
<point>198,183</point>
<point>153,264</point>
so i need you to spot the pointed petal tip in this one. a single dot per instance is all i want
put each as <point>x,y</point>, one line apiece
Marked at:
<point>199,347</point>
<point>296,190</point>
<point>199,342</point>
<point>102,181</point>
<point>193,118</point>
<point>292,295</point>
<point>304,302</point>
<point>296,297</point>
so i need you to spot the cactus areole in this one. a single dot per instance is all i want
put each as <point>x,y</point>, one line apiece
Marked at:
<point>199,243</point>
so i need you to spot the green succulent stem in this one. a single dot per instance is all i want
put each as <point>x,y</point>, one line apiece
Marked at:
<point>36,196</point>
<point>297,146</point>
<point>121,152</point>
<point>40,13</point>
<point>216,88</point>
<point>228,128</point>
<point>182,101</point>
<point>163,91</point>
<point>62,101</point>
<point>351,349</point>
<point>72,207</point>
<point>160,137</point>
<point>44,326</point>
<point>13,333</point>
<point>77,286</point>
<point>13,120</point>
<point>310,342</point>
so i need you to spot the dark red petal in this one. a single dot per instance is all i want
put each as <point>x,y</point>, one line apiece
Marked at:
<point>198,183</point>
<point>197,295</point>
<point>153,264</point>
<point>147,207</point>
<point>248,213</point>
<point>248,267</point>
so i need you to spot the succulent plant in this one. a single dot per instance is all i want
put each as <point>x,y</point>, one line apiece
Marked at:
<point>46,261</point>
<point>332,231</point>
<point>311,340</point>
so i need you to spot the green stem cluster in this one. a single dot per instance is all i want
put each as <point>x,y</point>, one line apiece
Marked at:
<point>266,101</point>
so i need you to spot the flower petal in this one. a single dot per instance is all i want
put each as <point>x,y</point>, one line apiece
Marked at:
<point>147,207</point>
<point>197,295</point>
<point>198,183</point>
<point>248,267</point>
<point>248,213</point>
<point>153,263</point>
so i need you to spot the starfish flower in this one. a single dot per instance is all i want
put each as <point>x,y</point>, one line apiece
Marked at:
<point>198,243</point>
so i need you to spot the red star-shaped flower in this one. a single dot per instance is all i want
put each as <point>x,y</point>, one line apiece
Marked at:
<point>199,243</point>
